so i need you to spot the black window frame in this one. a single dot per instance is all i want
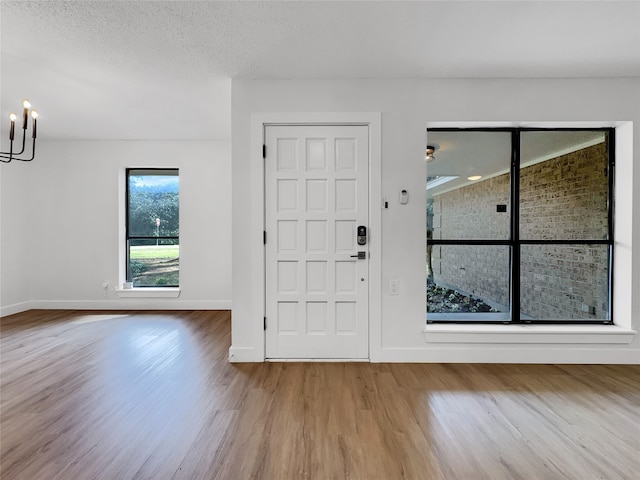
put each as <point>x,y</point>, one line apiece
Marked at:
<point>515,242</point>
<point>128,236</point>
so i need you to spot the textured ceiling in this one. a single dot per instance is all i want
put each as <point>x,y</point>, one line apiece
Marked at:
<point>162,69</point>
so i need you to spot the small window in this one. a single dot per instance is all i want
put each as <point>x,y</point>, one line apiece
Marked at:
<point>153,227</point>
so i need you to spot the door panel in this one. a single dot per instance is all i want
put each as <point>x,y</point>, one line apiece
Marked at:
<point>316,188</point>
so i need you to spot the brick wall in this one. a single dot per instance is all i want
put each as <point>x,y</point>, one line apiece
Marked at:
<point>470,212</point>
<point>481,271</point>
<point>561,198</point>
<point>560,282</point>
<point>566,197</point>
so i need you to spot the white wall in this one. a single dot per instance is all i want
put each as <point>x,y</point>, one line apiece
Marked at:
<point>72,231</point>
<point>15,287</point>
<point>407,107</point>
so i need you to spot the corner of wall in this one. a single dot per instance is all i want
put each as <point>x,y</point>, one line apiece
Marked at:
<point>5,311</point>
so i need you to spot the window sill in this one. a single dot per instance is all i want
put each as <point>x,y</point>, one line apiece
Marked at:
<point>168,292</point>
<point>553,334</point>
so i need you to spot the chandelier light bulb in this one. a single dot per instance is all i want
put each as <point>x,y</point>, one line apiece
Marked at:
<point>26,103</point>
<point>34,114</point>
<point>12,117</point>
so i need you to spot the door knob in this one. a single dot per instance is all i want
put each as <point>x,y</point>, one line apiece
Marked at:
<point>360,256</point>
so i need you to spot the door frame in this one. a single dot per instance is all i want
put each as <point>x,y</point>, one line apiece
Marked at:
<point>373,120</point>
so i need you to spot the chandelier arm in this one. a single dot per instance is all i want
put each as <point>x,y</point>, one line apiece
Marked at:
<point>24,138</point>
<point>33,153</point>
<point>9,154</point>
<point>12,156</point>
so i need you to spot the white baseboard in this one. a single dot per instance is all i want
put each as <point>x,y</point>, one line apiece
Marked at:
<point>15,308</point>
<point>527,334</point>
<point>132,304</point>
<point>245,354</point>
<point>602,355</point>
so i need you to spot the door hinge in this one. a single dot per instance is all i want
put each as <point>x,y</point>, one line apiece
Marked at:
<point>265,323</point>
<point>264,151</point>
<point>264,237</point>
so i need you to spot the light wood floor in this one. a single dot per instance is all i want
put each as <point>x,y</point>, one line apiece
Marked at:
<point>151,396</point>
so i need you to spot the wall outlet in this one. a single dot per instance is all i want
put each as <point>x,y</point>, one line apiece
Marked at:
<point>105,285</point>
<point>394,287</point>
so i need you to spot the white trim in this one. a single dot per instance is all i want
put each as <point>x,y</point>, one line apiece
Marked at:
<point>132,304</point>
<point>487,353</point>
<point>245,354</point>
<point>15,308</point>
<point>258,121</point>
<point>528,124</point>
<point>166,292</point>
<point>318,360</point>
<point>122,230</point>
<point>257,296</point>
<point>528,334</point>
<point>625,289</point>
<point>375,241</point>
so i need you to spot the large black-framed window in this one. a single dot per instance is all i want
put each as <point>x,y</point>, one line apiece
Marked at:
<point>520,225</point>
<point>153,227</point>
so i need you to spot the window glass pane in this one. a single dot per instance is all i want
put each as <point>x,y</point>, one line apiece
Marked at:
<point>153,208</point>
<point>468,192</point>
<point>154,263</point>
<point>469,282</point>
<point>563,185</point>
<point>153,213</point>
<point>564,282</point>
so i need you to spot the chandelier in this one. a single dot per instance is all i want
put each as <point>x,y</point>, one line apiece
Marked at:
<point>6,157</point>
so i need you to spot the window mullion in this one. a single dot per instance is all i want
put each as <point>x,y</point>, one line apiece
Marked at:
<point>515,227</point>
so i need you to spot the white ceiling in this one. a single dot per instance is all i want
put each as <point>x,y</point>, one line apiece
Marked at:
<point>162,69</point>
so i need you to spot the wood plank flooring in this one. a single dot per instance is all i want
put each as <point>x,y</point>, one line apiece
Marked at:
<point>121,395</point>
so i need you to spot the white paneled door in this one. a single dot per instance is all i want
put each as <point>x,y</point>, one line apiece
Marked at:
<point>316,188</point>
